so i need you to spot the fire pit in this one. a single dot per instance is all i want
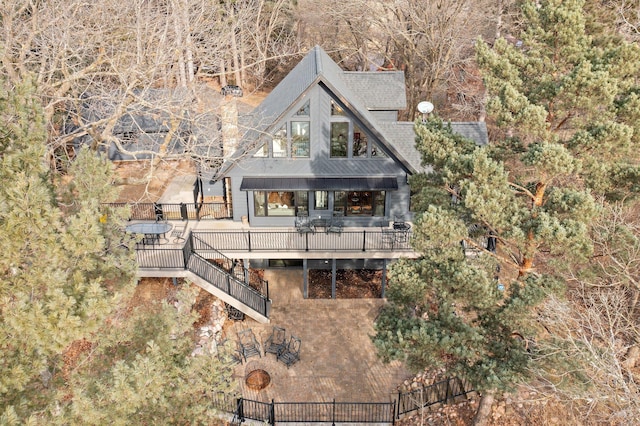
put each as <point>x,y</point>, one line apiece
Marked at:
<point>257,379</point>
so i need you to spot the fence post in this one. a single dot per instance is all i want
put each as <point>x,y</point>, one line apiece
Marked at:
<point>333,414</point>
<point>240,410</point>
<point>393,413</point>
<point>446,395</point>
<point>272,413</point>
<point>398,406</point>
<point>249,239</point>
<point>364,240</point>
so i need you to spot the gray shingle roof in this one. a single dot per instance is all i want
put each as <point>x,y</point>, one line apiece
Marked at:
<point>361,92</point>
<point>382,90</point>
<point>403,137</point>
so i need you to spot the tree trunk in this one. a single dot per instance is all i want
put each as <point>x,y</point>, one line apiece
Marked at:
<point>484,409</point>
<point>223,75</point>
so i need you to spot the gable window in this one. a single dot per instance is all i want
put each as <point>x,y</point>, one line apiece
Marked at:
<point>263,151</point>
<point>339,139</point>
<point>336,109</point>
<point>304,110</point>
<point>377,152</point>
<point>280,203</point>
<point>300,139</point>
<point>279,143</point>
<point>360,145</point>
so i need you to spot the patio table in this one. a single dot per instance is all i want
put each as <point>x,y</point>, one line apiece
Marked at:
<point>151,231</point>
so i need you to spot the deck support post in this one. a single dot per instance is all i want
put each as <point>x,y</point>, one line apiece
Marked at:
<point>305,281</point>
<point>333,278</point>
<point>383,277</point>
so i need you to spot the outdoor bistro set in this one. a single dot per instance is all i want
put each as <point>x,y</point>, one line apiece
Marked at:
<point>286,350</point>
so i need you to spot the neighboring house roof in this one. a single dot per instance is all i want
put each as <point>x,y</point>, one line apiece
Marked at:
<point>146,122</point>
<point>360,92</point>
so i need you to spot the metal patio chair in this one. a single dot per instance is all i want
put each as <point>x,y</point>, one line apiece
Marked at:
<point>249,346</point>
<point>276,341</point>
<point>176,235</point>
<point>303,224</point>
<point>336,223</point>
<point>290,354</point>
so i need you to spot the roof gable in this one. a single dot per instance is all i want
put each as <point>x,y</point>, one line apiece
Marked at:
<point>360,93</point>
<point>317,68</point>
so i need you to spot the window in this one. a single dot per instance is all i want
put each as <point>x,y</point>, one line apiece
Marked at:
<point>280,203</point>
<point>259,204</point>
<point>336,109</point>
<point>377,152</point>
<point>378,203</point>
<point>359,143</point>
<point>301,201</point>
<point>321,200</point>
<point>300,139</point>
<point>263,151</point>
<point>279,143</point>
<point>339,140</point>
<point>359,203</point>
<point>304,110</point>
<point>340,201</point>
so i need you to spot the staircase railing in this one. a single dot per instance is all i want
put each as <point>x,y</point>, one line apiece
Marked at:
<point>231,265</point>
<point>229,284</point>
<point>248,288</point>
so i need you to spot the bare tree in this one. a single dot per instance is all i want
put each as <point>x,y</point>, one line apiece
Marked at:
<point>99,64</point>
<point>589,360</point>
<point>431,41</point>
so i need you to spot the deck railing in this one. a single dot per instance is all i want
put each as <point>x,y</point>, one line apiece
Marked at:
<point>281,240</point>
<point>234,266</point>
<point>159,258</point>
<point>176,211</point>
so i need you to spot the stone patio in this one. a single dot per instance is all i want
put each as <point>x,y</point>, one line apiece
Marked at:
<point>338,359</point>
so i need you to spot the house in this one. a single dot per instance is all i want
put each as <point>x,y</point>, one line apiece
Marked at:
<point>324,143</point>
<point>326,140</point>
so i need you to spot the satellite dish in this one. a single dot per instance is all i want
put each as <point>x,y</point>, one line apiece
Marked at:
<point>425,107</point>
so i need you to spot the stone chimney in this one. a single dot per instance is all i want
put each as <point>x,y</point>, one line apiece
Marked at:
<point>229,120</point>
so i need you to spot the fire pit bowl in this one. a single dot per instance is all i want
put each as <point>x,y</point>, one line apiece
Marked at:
<point>257,379</point>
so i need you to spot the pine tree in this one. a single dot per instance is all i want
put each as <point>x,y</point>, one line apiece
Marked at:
<point>63,268</point>
<point>566,109</point>
<point>71,350</point>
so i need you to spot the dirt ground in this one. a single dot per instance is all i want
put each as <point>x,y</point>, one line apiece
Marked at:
<point>139,181</point>
<point>350,284</point>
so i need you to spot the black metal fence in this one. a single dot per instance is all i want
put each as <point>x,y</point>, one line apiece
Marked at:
<point>439,392</point>
<point>315,412</point>
<point>344,412</point>
<point>281,240</point>
<point>176,211</point>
